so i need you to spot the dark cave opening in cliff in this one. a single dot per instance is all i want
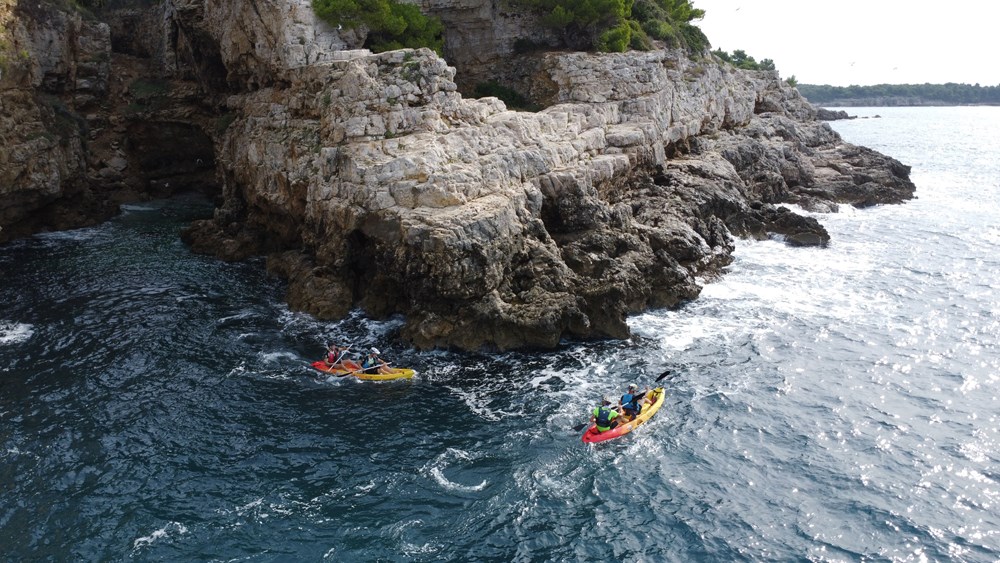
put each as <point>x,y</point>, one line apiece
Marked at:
<point>377,291</point>
<point>172,157</point>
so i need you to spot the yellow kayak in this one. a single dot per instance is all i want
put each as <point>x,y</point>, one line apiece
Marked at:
<point>396,373</point>
<point>592,435</point>
<point>350,368</point>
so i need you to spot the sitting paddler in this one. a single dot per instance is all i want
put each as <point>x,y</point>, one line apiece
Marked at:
<point>632,401</point>
<point>604,417</point>
<point>335,355</point>
<point>372,363</point>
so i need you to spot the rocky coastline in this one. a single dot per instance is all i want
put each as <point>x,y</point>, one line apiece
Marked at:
<point>369,180</point>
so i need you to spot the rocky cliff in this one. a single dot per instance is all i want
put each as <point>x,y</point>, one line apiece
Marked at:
<point>370,181</point>
<point>96,113</point>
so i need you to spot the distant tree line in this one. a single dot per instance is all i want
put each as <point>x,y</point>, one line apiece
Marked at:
<point>902,94</point>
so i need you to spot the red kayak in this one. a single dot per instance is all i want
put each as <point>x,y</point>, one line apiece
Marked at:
<point>344,368</point>
<point>592,435</point>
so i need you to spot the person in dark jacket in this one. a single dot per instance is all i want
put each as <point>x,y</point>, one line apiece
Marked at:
<point>374,364</point>
<point>632,401</point>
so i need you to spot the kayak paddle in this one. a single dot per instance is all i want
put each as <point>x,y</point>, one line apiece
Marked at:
<point>362,370</point>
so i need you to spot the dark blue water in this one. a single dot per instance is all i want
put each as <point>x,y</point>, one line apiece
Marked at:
<point>833,404</point>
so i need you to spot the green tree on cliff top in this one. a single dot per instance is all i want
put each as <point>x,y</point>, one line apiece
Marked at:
<point>617,25</point>
<point>740,59</point>
<point>391,25</point>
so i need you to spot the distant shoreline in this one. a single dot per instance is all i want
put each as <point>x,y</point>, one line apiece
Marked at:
<point>901,95</point>
<point>851,103</point>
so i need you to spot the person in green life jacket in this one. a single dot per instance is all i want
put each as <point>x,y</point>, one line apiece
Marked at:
<point>604,417</point>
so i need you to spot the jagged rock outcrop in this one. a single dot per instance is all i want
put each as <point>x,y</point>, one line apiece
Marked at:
<point>369,181</point>
<point>86,127</point>
<point>832,115</point>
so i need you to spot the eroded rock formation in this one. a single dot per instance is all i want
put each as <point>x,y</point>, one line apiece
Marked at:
<point>369,181</point>
<point>85,126</point>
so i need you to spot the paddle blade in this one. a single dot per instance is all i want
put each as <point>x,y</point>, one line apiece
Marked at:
<point>580,427</point>
<point>662,375</point>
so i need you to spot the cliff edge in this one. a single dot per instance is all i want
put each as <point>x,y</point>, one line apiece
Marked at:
<point>369,180</point>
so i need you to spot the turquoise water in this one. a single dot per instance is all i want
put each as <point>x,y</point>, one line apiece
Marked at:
<point>823,404</point>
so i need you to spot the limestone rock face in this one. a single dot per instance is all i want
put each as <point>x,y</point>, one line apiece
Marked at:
<point>252,44</point>
<point>369,181</point>
<point>46,58</point>
<point>482,40</point>
<point>96,114</point>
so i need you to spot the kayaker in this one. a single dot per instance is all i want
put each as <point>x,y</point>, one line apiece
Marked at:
<point>631,402</point>
<point>374,364</point>
<point>604,417</point>
<point>335,354</point>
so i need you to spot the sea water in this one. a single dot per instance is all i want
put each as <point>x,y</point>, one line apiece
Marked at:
<point>827,404</point>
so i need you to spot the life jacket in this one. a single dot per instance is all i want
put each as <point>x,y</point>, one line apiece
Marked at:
<point>603,418</point>
<point>370,364</point>
<point>629,401</point>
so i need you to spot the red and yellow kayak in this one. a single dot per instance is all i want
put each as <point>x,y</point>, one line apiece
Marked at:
<point>348,367</point>
<point>592,435</point>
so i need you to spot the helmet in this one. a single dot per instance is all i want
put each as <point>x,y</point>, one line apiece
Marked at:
<point>375,351</point>
<point>632,386</point>
<point>607,400</point>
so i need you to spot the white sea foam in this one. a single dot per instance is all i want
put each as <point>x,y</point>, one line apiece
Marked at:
<point>238,370</point>
<point>15,451</point>
<point>478,402</point>
<point>260,510</point>
<point>435,469</point>
<point>397,531</point>
<point>438,475</point>
<point>73,235</point>
<point>135,207</point>
<point>14,333</point>
<point>278,357</point>
<point>171,528</point>
<point>237,317</point>
<point>250,506</point>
